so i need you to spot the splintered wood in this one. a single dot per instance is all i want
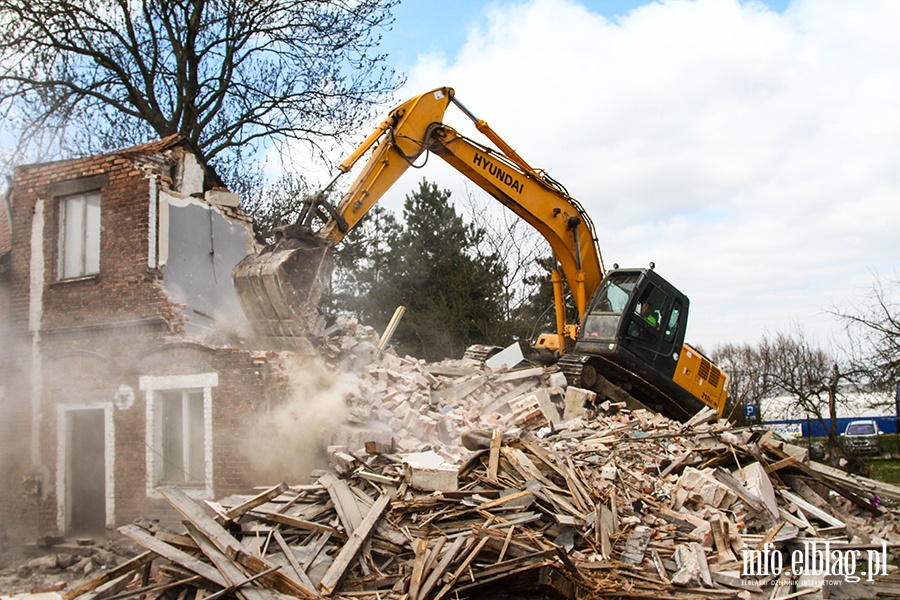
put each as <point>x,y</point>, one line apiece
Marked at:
<point>609,503</point>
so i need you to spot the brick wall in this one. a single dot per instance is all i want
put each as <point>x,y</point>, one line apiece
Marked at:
<point>98,336</point>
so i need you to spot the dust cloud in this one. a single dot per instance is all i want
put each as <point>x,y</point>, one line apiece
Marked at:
<point>288,441</point>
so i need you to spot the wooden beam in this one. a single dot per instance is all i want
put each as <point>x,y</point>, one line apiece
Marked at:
<point>191,563</point>
<point>494,457</point>
<point>302,577</point>
<point>194,513</point>
<point>257,500</point>
<point>135,563</point>
<point>349,551</point>
<point>230,571</point>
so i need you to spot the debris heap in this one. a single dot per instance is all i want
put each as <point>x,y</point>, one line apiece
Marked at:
<point>552,501</point>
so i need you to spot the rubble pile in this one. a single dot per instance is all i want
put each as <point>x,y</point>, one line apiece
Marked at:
<point>458,480</point>
<point>407,405</point>
<point>617,503</point>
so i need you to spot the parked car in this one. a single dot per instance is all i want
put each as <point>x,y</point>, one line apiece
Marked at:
<point>862,437</point>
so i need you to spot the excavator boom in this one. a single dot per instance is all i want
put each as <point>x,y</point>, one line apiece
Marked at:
<point>279,289</point>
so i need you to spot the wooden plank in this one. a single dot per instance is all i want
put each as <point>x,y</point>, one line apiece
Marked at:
<point>191,563</point>
<point>883,489</point>
<point>110,589</point>
<point>676,463</point>
<point>660,567</point>
<point>316,549</point>
<point>127,567</point>
<point>276,580</point>
<point>257,500</point>
<point>302,577</point>
<point>735,486</point>
<point>349,551</point>
<point>700,553</point>
<point>769,536</point>
<point>524,465</point>
<point>800,522</point>
<point>494,457</point>
<point>418,572</point>
<point>515,564</point>
<point>194,513</point>
<point>723,548</point>
<point>345,502</point>
<point>442,565</point>
<point>800,487</point>
<point>840,487</point>
<point>781,464</point>
<point>461,569</point>
<point>809,509</point>
<point>300,523</point>
<point>506,542</point>
<point>605,519</point>
<point>636,545</point>
<point>522,494</point>
<point>230,572</point>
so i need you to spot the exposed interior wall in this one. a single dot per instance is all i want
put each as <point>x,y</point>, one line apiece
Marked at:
<point>202,248</point>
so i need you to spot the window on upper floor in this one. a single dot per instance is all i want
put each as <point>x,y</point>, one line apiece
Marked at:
<point>79,235</point>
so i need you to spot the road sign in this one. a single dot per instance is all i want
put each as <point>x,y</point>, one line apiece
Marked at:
<point>750,411</point>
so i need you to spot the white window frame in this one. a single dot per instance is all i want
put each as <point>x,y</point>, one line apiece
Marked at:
<point>152,385</point>
<point>86,245</point>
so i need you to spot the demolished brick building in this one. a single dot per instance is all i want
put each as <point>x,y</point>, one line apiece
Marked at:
<point>115,274</point>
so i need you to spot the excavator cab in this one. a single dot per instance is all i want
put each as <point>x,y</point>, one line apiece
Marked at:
<point>633,334</point>
<point>639,312</point>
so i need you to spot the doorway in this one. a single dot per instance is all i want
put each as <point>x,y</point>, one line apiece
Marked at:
<point>84,466</point>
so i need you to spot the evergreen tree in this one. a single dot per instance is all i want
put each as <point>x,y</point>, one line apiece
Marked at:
<point>361,260</point>
<point>434,268</point>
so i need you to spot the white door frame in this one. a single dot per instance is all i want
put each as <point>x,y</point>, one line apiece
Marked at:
<point>63,425</point>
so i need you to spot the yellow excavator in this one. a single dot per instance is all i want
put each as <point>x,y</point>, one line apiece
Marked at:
<point>629,340</point>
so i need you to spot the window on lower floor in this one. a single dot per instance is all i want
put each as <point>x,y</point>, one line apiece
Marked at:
<point>79,235</point>
<point>179,431</point>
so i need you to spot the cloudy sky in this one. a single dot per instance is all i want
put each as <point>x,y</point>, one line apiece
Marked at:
<point>751,150</point>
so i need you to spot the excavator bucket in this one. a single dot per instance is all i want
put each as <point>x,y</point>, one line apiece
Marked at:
<point>279,289</point>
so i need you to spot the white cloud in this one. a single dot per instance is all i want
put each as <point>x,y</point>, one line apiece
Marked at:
<point>752,155</point>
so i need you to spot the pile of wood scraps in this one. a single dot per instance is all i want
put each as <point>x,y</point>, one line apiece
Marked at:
<point>618,504</point>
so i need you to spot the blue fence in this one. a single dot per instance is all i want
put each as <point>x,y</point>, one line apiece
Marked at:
<point>813,426</point>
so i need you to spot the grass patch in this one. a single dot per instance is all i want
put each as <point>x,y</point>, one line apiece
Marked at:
<point>886,470</point>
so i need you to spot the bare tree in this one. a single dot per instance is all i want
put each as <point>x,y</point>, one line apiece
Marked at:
<point>521,249</point>
<point>83,76</point>
<point>873,330</point>
<point>794,376</point>
<point>806,374</point>
<point>749,373</point>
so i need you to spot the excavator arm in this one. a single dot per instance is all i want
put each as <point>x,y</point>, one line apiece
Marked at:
<point>416,127</point>
<point>411,130</point>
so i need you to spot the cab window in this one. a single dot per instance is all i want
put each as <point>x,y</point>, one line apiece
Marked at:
<point>611,300</point>
<point>672,326</point>
<point>648,313</point>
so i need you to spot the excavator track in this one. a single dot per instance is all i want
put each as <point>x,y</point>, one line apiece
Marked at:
<point>481,352</point>
<point>614,382</point>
